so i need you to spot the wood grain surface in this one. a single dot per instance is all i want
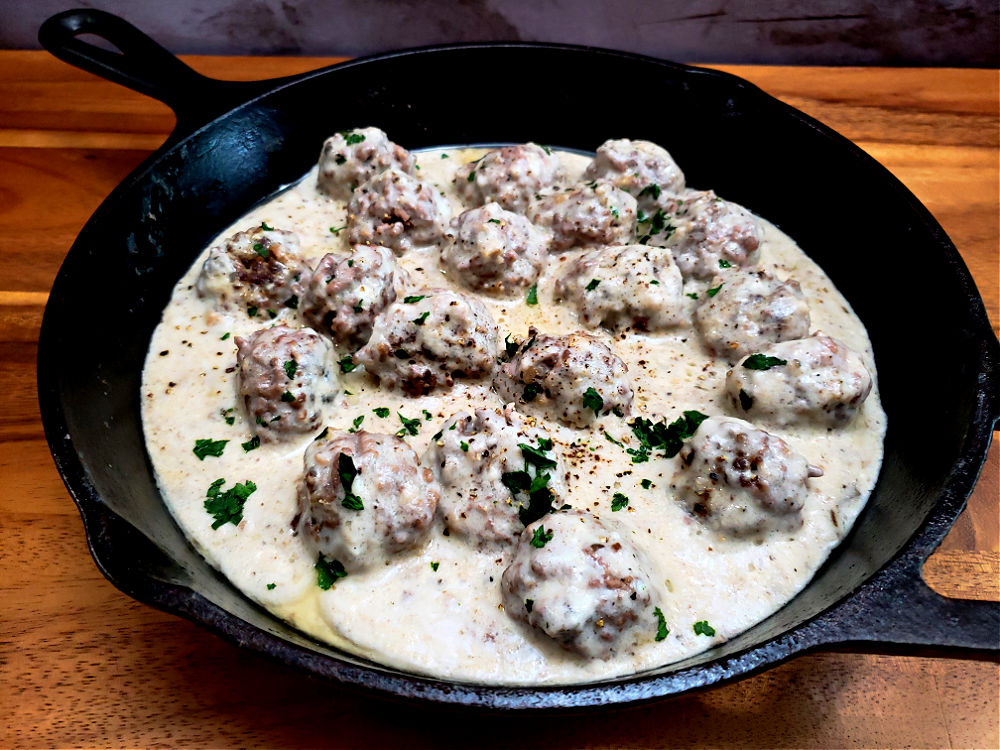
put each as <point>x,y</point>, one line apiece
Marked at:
<point>82,665</point>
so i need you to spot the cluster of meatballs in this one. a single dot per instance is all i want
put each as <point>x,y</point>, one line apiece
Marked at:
<point>635,235</point>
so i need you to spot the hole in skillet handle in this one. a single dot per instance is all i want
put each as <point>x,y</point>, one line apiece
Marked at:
<point>144,66</point>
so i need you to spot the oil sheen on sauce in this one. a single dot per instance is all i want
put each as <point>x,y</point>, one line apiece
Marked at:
<point>447,620</point>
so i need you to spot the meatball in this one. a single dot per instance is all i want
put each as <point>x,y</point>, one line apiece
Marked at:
<point>353,157</point>
<point>573,378</point>
<point>587,588</point>
<point>590,215</point>
<point>509,176</point>
<point>364,498</point>
<point>631,286</point>
<point>258,269</point>
<point>347,292</point>
<point>429,339</point>
<point>750,310</point>
<point>818,380</point>
<point>705,232</point>
<point>469,458</point>
<point>742,481</point>
<point>641,168</point>
<point>398,211</point>
<point>284,379</point>
<point>495,251</point>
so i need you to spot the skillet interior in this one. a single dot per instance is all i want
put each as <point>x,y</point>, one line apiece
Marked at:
<point>882,249</point>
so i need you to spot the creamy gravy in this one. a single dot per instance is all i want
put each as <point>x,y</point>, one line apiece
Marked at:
<point>447,620</point>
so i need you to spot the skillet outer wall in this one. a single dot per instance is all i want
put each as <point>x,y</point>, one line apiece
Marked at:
<point>841,207</point>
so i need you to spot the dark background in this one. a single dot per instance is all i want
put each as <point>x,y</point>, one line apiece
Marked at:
<point>962,33</point>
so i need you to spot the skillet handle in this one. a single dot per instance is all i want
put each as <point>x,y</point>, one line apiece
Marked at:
<point>143,65</point>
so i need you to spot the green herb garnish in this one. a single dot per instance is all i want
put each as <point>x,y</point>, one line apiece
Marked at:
<point>532,298</point>
<point>328,572</point>
<point>291,367</point>
<point>208,447</point>
<point>351,138</point>
<point>713,291</point>
<point>414,298</point>
<point>288,397</point>
<point>592,285</point>
<point>410,426</point>
<point>356,423</point>
<point>646,484</point>
<point>347,472</point>
<point>746,400</point>
<point>265,227</point>
<point>540,537</point>
<point>592,400</point>
<point>661,625</point>
<point>703,628</point>
<point>251,444</point>
<point>763,362</point>
<point>723,263</point>
<point>227,506</point>
<point>668,438</point>
<point>419,320</point>
<point>381,411</point>
<point>435,566</point>
<point>619,501</point>
<point>347,364</point>
<point>464,446</point>
<point>262,251</point>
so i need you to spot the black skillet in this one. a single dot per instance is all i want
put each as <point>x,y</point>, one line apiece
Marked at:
<point>236,143</point>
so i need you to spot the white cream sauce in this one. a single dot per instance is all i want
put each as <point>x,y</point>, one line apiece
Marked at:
<point>448,622</point>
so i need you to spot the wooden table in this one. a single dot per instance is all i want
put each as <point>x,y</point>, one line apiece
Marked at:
<point>81,664</point>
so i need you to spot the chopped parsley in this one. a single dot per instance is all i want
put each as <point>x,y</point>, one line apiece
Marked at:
<point>472,176</point>
<point>763,362</point>
<point>612,440</point>
<point>337,230</point>
<point>271,586</point>
<point>427,415</point>
<point>208,447</point>
<point>494,221</point>
<point>323,434</point>
<point>657,223</point>
<point>227,506</point>
<point>251,444</point>
<point>510,347</point>
<point>703,628</point>
<point>224,336</point>
<point>619,502</point>
<point>271,314</point>
<point>532,298</point>
<point>464,446</point>
<point>350,263</point>
<point>693,295</point>
<point>381,412</point>
<point>592,400</point>
<point>723,263</point>
<point>668,438</point>
<point>414,298</point>
<point>435,566</point>
<point>291,367</point>
<point>227,414</point>
<point>401,354</point>
<point>357,423</point>
<point>410,426</point>
<point>746,400</point>
<point>654,282</point>
<point>252,311</point>
<point>347,364</point>
<point>532,482</point>
<point>347,472</point>
<point>646,484</point>
<point>358,308</point>
<point>351,138</point>
<point>293,302</point>
<point>546,149</point>
<point>540,537</point>
<point>328,572</point>
<point>653,190</point>
<point>340,159</point>
<point>444,156</point>
<point>661,625</point>
<point>419,320</point>
<point>592,285</point>
<point>262,251</point>
<point>531,390</point>
<point>265,227</point>
<point>713,291</point>
<point>288,397</point>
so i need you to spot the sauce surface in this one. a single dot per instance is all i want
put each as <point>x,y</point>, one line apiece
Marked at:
<point>446,619</point>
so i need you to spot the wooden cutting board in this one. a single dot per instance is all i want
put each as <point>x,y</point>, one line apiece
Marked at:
<point>83,665</point>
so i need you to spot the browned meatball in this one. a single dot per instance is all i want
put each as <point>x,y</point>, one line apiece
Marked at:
<point>397,211</point>
<point>635,287</point>
<point>285,379</point>
<point>705,231</point>
<point>750,310</point>
<point>348,291</point>
<point>364,498</point>
<point>590,215</point>
<point>509,176</point>
<point>257,270</point>
<point>742,481</point>
<point>814,380</point>
<point>353,157</point>
<point>428,339</point>
<point>641,168</point>
<point>495,251</point>
<point>470,457</point>
<point>586,587</point>
<point>573,378</point>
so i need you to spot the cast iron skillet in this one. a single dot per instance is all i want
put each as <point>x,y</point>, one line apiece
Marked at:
<point>236,143</point>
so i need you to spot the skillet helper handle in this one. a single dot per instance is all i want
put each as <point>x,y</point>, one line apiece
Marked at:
<point>902,614</point>
<point>142,65</point>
